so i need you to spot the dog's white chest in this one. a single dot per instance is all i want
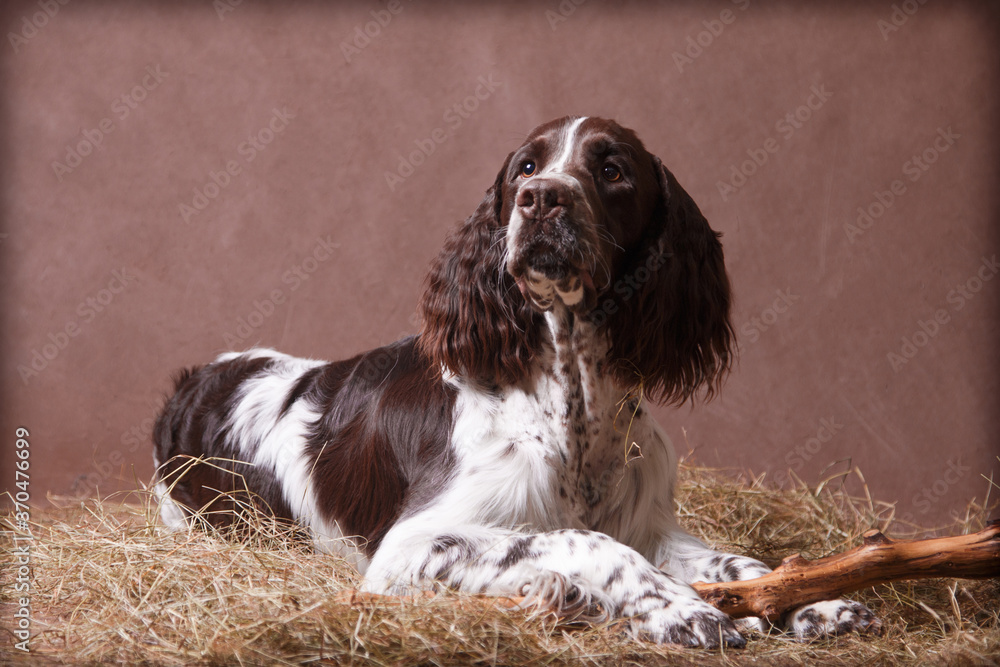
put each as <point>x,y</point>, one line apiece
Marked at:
<point>535,458</point>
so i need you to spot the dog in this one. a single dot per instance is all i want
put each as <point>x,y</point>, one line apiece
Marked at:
<point>506,449</point>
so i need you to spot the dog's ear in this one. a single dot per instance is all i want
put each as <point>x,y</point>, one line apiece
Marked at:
<point>474,321</point>
<point>673,337</point>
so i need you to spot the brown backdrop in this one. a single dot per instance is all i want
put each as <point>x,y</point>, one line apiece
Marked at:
<point>180,179</point>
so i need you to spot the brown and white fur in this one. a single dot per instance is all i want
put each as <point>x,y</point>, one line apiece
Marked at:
<point>507,448</point>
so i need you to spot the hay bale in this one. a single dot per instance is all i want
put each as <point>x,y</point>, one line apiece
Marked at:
<point>110,585</point>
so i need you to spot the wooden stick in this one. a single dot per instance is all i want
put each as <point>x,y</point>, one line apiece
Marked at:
<point>798,581</point>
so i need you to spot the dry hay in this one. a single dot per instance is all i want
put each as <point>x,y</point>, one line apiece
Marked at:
<point>110,585</point>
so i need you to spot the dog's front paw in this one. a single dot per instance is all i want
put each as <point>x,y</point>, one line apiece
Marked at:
<point>687,623</point>
<point>752,625</point>
<point>832,617</point>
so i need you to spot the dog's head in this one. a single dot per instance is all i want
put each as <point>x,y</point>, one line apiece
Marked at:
<point>573,198</point>
<point>582,217</point>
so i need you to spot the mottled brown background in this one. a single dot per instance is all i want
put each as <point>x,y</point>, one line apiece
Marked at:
<point>104,271</point>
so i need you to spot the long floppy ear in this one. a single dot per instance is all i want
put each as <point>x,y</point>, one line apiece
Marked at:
<point>671,334</point>
<point>475,321</point>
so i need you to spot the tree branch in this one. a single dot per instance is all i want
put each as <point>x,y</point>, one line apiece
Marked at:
<point>798,581</point>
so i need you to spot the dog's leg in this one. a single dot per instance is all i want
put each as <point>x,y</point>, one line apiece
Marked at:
<point>578,573</point>
<point>690,559</point>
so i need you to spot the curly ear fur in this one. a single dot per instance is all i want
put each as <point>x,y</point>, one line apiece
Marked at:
<point>672,335</point>
<point>475,321</point>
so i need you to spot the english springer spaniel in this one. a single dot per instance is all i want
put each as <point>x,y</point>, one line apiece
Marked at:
<point>506,449</point>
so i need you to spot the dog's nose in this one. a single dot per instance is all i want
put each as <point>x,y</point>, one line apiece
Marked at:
<point>540,199</point>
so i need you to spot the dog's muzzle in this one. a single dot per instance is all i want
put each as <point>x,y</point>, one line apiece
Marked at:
<point>548,261</point>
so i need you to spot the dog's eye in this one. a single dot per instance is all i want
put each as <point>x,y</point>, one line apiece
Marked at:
<point>528,169</point>
<point>611,173</point>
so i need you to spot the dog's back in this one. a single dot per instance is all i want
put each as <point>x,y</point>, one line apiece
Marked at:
<point>303,440</point>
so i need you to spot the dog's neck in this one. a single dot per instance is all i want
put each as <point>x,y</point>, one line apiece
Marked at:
<point>589,403</point>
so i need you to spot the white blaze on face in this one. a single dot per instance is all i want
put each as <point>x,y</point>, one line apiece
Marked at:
<point>543,290</point>
<point>568,140</point>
